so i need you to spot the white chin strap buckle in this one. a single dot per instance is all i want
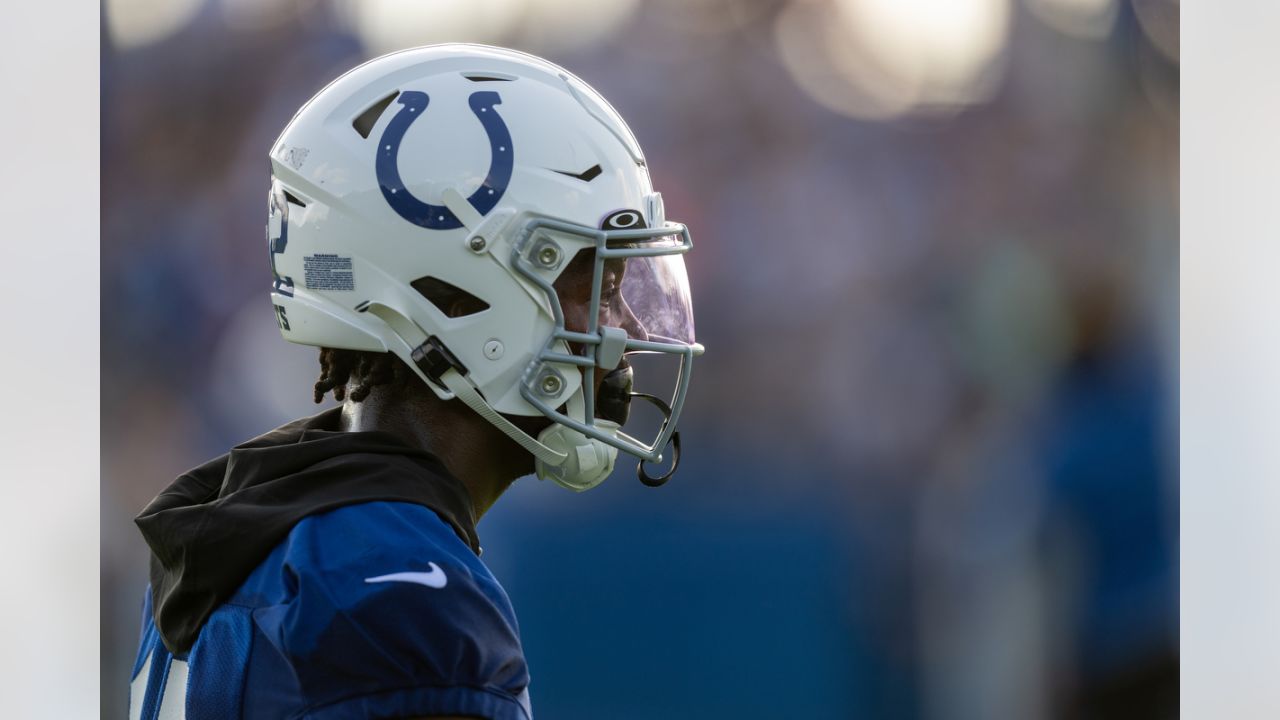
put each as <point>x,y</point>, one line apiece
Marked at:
<point>588,463</point>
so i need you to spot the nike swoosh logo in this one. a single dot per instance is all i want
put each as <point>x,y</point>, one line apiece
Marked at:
<point>433,579</point>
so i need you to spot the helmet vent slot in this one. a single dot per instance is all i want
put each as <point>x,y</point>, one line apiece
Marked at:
<point>289,197</point>
<point>453,301</point>
<point>488,77</point>
<point>365,121</point>
<point>587,175</point>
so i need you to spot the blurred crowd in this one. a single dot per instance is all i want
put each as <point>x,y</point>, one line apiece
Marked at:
<point>930,453</point>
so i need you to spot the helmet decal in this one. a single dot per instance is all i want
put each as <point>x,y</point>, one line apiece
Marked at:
<point>276,244</point>
<point>626,219</point>
<point>439,217</point>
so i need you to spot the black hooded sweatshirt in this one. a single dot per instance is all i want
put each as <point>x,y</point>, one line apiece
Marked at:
<point>215,524</point>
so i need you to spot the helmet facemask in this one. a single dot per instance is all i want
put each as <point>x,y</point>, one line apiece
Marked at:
<point>615,292</point>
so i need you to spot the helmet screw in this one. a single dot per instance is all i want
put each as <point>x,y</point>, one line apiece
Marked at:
<point>477,244</point>
<point>493,349</point>
<point>548,256</point>
<point>550,385</point>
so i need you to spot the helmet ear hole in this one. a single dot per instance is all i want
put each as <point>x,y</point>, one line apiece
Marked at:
<point>450,299</point>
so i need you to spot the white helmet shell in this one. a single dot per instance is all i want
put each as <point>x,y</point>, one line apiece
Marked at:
<point>425,168</point>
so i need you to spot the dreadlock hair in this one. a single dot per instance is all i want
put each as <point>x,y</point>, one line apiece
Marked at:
<point>367,369</point>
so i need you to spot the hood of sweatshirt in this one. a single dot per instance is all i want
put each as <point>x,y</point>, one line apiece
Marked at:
<point>213,525</point>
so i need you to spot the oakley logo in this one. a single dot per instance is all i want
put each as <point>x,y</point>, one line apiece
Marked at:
<point>623,220</point>
<point>439,217</point>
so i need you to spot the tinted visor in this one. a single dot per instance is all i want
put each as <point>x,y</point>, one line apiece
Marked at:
<point>645,295</point>
<point>655,290</point>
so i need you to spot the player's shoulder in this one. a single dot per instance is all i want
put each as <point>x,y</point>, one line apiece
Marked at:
<point>389,552</point>
<point>385,595</point>
<point>367,531</point>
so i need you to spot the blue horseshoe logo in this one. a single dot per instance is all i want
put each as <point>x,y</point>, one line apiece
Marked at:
<point>439,217</point>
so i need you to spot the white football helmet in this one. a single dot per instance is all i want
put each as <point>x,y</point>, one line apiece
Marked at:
<point>467,171</point>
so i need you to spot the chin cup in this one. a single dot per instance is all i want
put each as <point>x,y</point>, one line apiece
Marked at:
<point>589,463</point>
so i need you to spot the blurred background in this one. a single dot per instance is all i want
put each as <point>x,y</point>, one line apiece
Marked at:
<point>931,453</point>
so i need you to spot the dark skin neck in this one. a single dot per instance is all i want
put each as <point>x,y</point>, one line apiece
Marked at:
<point>484,459</point>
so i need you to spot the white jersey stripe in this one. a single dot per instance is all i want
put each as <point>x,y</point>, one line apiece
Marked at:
<point>173,706</point>
<point>138,690</point>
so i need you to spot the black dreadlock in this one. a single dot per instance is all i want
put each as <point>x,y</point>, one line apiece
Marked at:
<point>367,369</point>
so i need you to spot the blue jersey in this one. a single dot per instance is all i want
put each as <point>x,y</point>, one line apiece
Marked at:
<point>371,610</point>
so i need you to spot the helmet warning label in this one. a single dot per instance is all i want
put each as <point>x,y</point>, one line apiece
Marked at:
<point>328,272</point>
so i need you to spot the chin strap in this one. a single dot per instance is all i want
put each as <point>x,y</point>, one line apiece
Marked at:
<point>467,393</point>
<point>433,362</point>
<point>562,454</point>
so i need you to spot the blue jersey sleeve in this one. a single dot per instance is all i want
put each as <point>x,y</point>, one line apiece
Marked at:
<point>392,615</point>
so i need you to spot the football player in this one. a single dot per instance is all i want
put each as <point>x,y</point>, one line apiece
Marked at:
<point>471,237</point>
